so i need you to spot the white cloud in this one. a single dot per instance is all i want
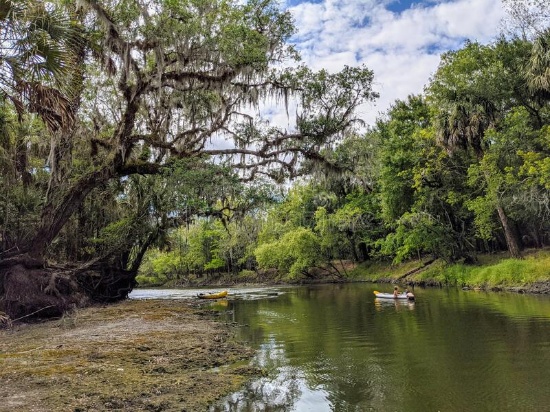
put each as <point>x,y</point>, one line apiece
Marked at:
<point>401,48</point>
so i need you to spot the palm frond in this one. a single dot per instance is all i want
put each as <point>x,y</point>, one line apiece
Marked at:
<point>50,104</point>
<point>40,49</point>
<point>538,70</point>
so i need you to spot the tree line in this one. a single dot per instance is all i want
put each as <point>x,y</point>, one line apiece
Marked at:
<point>458,170</point>
<point>131,130</point>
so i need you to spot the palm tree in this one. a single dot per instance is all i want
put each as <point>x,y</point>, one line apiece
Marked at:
<point>39,47</point>
<point>538,68</point>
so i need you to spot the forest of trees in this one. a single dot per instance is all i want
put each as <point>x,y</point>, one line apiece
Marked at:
<point>131,141</point>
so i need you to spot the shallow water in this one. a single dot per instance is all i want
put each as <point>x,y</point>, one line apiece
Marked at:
<point>248,293</point>
<point>337,348</point>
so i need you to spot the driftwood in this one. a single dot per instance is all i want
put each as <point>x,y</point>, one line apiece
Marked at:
<point>418,269</point>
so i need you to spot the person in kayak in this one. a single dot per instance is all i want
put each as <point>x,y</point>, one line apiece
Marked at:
<point>409,294</point>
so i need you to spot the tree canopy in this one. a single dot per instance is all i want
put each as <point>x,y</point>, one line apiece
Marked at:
<point>140,86</point>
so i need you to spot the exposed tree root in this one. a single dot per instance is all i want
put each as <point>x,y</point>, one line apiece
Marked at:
<point>37,292</point>
<point>5,321</point>
<point>31,291</point>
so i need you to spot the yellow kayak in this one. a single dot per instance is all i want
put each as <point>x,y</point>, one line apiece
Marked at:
<point>218,295</point>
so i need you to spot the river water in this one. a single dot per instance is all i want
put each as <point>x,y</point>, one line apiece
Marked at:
<point>337,348</point>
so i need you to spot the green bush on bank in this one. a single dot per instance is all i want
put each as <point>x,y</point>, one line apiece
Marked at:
<point>455,274</point>
<point>150,281</point>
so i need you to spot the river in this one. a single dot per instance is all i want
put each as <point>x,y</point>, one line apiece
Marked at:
<point>337,348</point>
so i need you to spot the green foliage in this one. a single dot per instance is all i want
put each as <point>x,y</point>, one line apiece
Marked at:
<point>421,187</point>
<point>417,234</point>
<point>537,74</point>
<point>247,274</point>
<point>295,253</point>
<point>113,233</point>
<point>205,246</point>
<point>401,150</point>
<point>484,217</point>
<point>166,265</point>
<point>214,264</point>
<point>536,164</point>
<point>351,229</point>
<point>156,269</point>
<point>42,34</point>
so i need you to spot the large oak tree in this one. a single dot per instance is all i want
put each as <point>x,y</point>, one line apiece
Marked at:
<point>152,81</point>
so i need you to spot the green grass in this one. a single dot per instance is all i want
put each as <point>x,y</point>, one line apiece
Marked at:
<point>512,272</point>
<point>493,271</point>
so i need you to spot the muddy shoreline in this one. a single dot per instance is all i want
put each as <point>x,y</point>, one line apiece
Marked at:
<point>138,355</point>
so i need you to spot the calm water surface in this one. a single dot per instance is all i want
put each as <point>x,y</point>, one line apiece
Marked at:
<point>336,348</point>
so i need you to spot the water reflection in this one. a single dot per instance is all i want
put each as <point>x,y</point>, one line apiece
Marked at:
<point>283,390</point>
<point>397,304</point>
<point>336,348</point>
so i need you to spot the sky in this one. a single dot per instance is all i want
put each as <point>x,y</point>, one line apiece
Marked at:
<point>400,40</point>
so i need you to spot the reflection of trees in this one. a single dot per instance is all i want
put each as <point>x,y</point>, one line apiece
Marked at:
<point>301,341</point>
<point>305,333</point>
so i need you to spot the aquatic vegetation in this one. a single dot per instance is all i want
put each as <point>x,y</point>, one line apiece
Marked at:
<point>137,355</point>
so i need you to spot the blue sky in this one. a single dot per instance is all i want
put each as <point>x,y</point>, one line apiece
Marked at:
<point>400,40</point>
<point>397,6</point>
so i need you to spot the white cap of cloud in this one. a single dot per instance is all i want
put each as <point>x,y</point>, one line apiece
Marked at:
<point>401,48</point>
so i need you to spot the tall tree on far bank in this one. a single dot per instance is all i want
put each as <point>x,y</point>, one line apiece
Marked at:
<point>473,89</point>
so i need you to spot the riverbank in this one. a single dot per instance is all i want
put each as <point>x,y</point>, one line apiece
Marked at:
<point>148,355</point>
<point>496,272</point>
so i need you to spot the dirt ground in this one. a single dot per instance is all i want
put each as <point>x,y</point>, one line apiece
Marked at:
<point>138,355</point>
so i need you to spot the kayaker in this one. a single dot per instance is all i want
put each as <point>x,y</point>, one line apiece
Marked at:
<point>409,294</point>
<point>395,292</point>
